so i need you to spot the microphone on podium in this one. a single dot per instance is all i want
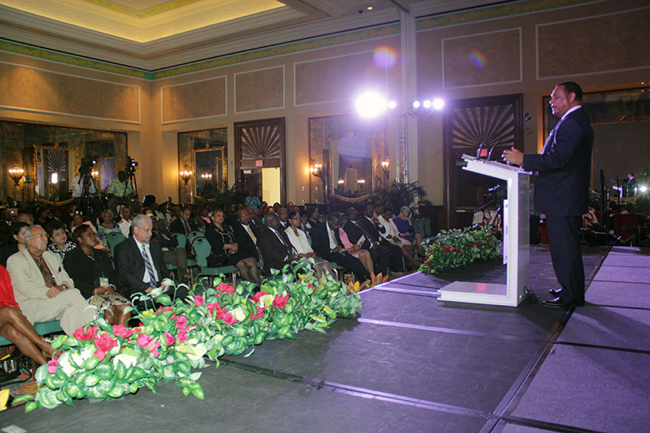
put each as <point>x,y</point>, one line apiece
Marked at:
<point>524,119</point>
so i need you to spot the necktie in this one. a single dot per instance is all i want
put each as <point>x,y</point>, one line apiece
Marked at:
<point>187,227</point>
<point>250,233</point>
<point>149,266</point>
<point>47,276</point>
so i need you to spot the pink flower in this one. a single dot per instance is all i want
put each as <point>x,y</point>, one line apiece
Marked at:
<point>260,313</point>
<point>215,307</point>
<point>143,340</point>
<point>280,301</point>
<point>169,338</point>
<point>121,331</point>
<point>104,343</point>
<point>256,297</point>
<point>162,310</point>
<point>229,318</point>
<point>478,244</point>
<point>198,300</point>
<point>226,288</point>
<point>82,334</point>
<point>181,323</point>
<point>149,343</point>
<point>182,336</point>
<point>52,365</point>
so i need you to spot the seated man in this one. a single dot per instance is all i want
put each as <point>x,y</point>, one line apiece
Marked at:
<point>327,244</point>
<point>43,288</point>
<point>371,225</point>
<point>274,245</point>
<point>358,235</point>
<point>121,191</point>
<point>125,221</point>
<point>140,264</point>
<point>172,253</point>
<point>246,241</point>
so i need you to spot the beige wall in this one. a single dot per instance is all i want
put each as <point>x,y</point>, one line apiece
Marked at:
<point>323,81</point>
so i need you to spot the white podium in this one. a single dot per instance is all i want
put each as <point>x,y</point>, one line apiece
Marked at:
<point>516,232</point>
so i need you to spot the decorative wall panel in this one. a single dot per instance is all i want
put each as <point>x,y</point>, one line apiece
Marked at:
<point>593,45</point>
<point>48,92</point>
<point>337,79</point>
<point>195,100</point>
<point>259,90</point>
<point>482,59</point>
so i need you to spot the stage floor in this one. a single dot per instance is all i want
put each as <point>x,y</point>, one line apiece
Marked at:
<point>411,363</point>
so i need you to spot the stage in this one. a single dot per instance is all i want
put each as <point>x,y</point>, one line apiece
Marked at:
<point>410,363</point>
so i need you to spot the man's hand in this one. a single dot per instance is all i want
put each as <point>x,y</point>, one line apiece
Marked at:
<point>337,249</point>
<point>513,156</point>
<point>54,291</point>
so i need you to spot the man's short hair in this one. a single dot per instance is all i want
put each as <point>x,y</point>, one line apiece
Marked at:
<point>334,216</point>
<point>17,227</point>
<point>28,232</point>
<point>572,87</point>
<point>139,219</point>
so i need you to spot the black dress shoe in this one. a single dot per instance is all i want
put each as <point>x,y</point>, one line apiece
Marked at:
<point>555,292</point>
<point>557,303</point>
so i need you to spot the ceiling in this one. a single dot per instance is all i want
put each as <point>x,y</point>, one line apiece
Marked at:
<point>156,34</point>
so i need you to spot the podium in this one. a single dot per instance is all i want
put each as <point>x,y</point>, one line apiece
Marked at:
<point>516,235</point>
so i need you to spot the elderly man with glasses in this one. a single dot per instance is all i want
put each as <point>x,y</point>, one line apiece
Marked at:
<point>43,288</point>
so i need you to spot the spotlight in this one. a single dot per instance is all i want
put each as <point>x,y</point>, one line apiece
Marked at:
<point>426,104</point>
<point>371,105</point>
<point>438,104</point>
<point>643,188</point>
<point>392,105</point>
<point>416,104</point>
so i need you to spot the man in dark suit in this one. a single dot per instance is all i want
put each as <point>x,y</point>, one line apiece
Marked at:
<point>358,235</point>
<point>374,228</point>
<point>562,189</point>
<point>5,228</point>
<point>140,264</point>
<point>327,245</point>
<point>183,225</point>
<point>246,240</point>
<point>274,245</point>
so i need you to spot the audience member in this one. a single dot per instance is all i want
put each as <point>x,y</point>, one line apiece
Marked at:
<point>406,230</point>
<point>125,221</point>
<point>391,234</point>
<point>25,218</point>
<point>120,192</point>
<point>246,246</point>
<point>106,227</point>
<point>371,225</point>
<point>15,327</point>
<point>274,245</point>
<point>172,253</point>
<point>252,200</point>
<point>355,250</point>
<point>327,245</point>
<point>255,222</point>
<point>183,225</point>
<point>283,215</point>
<point>140,264</point>
<point>59,242</point>
<point>357,234</point>
<point>93,274</point>
<point>77,220</point>
<point>312,219</point>
<point>300,243</point>
<point>18,231</point>
<point>43,288</point>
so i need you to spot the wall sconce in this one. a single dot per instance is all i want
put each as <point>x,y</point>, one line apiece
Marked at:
<point>317,170</point>
<point>185,175</point>
<point>16,174</point>
<point>361,181</point>
<point>341,181</point>
<point>206,177</point>
<point>385,165</point>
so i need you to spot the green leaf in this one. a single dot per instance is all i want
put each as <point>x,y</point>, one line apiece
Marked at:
<point>164,300</point>
<point>31,406</point>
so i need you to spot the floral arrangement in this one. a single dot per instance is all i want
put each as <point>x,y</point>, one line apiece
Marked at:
<point>459,247</point>
<point>101,361</point>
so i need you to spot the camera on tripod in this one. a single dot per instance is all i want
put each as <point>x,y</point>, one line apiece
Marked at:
<point>497,193</point>
<point>87,164</point>
<point>131,164</point>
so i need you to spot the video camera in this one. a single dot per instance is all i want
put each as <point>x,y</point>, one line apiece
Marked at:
<point>495,194</point>
<point>131,164</point>
<point>87,164</point>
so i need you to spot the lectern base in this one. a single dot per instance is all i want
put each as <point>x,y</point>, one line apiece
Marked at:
<point>477,293</point>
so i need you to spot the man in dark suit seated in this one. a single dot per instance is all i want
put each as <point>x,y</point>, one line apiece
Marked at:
<point>140,264</point>
<point>274,245</point>
<point>246,240</point>
<point>358,235</point>
<point>327,245</point>
<point>562,189</point>
<point>373,227</point>
<point>254,221</point>
<point>183,225</point>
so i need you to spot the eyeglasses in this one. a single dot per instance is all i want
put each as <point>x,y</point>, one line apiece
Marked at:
<point>89,234</point>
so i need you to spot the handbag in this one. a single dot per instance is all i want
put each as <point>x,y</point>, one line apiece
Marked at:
<point>217,260</point>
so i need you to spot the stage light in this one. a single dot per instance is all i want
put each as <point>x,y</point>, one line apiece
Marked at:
<point>371,105</point>
<point>426,104</point>
<point>392,105</point>
<point>643,188</point>
<point>438,104</point>
<point>416,105</point>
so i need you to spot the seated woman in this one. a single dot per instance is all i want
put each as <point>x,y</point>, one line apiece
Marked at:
<point>356,251</point>
<point>298,239</point>
<point>93,274</point>
<point>225,251</point>
<point>18,230</point>
<point>15,327</point>
<point>107,226</point>
<point>59,242</point>
<point>406,230</point>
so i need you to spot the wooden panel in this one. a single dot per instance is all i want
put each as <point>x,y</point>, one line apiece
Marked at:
<point>194,100</point>
<point>41,91</point>
<point>482,59</point>
<point>259,90</point>
<point>593,45</point>
<point>337,78</point>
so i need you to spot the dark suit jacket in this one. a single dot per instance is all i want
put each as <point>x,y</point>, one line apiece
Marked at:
<point>177,226</point>
<point>320,241</point>
<point>354,234</point>
<point>130,267</point>
<point>243,240</point>
<point>86,273</point>
<point>6,234</point>
<point>564,167</point>
<point>372,229</point>
<point>273,251</point>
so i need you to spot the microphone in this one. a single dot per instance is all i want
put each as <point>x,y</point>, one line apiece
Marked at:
<point>478,152</point>
<point>524,119</point>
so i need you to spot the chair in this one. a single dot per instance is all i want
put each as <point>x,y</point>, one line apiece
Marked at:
<point>193,235</point>
<point>113,239</point>
<point>261,266</point>
<point>202,250</point>
<point>42,328</point>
